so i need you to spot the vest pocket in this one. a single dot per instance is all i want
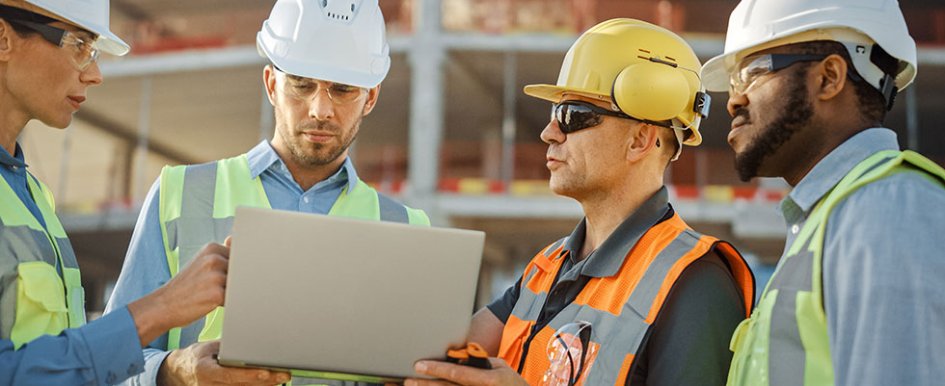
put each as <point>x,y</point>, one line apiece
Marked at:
<point>513,339</point>
<point>40,303</point>
<point>76,297</point>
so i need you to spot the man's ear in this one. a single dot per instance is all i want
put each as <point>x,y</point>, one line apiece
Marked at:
<point>642,140</point>
<point>269,80</point>
<point>6,40</point>
<point>830,77</point>
<point>373,94</point>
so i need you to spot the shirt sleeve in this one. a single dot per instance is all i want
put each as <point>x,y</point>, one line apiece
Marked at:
<point>145,270</point>
<point>689,341</point>
<point>883,290</point>
<point>502,306</point>
<point>105,351</point>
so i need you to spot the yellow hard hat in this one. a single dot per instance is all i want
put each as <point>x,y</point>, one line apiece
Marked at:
<point>649,72</point>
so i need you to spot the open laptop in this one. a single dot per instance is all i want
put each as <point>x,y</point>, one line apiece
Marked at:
<point>336,298</point>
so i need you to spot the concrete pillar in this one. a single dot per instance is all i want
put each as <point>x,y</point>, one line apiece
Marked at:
<point>426,57</point>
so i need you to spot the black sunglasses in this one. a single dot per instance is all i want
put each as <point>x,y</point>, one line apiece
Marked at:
<point>575,115</point>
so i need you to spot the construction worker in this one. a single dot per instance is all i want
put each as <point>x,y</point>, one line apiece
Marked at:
<point>48,51</point>
<point>857,298</point>
<point>633,296</point>
<point>327,62</point>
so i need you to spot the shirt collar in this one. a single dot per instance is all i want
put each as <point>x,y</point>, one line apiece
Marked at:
<point>263,157</point>
<point>832,168</point>
<point>607,259</point>
<point>16,159</point>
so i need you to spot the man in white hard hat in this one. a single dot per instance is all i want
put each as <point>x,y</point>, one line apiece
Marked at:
<point>858,296</point>
<point>328,59</point>
<point>633,296</point>
<point>48,52</point>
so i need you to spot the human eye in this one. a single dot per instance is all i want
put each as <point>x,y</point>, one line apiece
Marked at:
<point>757,67</point>
<point>301,84</point>
<point>343,89</point>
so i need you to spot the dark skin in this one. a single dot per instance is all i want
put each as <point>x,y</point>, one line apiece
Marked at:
<point>831,96</point>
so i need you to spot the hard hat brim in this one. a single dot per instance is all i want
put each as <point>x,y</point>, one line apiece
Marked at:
<point>106,42</point>
<point>111,44</point>
<point>322,71</point>
<point>553,93</point>
<point>715,72</point>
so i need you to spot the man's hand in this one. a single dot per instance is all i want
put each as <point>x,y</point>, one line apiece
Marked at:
<point>451,374</point>
<point>193,293</point>
<point>197,365</point>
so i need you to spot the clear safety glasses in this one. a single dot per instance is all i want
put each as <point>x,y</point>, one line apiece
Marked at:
<point>570,354</point>
<point>83,52</point>
<point>753,68</point>
<point>306,88</point>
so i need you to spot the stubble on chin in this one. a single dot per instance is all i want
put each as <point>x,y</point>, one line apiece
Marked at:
<point>796,114</point>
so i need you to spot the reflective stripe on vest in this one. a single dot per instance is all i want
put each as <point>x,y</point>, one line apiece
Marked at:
<point>197,205</point>
<point>620,308</point>
<point>36,300</point>
<point>785,341</point>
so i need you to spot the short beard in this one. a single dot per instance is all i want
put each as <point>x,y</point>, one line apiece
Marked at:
<point>795,115</point>
<point>312,160</point>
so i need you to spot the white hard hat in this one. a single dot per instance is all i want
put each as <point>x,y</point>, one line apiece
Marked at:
<point>91,15</point>
<point>341,41</point>
<point>756,25</point>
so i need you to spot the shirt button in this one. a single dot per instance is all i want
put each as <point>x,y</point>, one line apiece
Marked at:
<point>795,228</point>
<point>306,199</point>
<point>14,167</point>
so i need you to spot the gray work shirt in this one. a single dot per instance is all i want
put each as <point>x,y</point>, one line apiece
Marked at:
<point>883,268</point>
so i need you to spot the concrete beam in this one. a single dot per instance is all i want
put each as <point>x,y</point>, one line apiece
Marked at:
<point>130,135</point>
<point>222,58</point>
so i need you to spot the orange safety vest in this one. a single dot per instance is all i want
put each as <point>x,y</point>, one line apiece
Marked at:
<point>620,308</point>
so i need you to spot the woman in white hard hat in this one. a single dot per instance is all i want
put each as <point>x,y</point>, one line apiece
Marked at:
<point>47,63</point>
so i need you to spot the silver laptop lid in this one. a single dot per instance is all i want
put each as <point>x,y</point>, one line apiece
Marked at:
<point>348,299</point>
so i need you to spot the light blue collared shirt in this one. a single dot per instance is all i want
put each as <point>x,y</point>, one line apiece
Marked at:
<point>883,268</point>
<point>145,268</point>
<point>104,351</point>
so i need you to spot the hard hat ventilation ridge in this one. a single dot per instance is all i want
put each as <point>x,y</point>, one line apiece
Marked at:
<point>338,9</point>
<point>337,16</point>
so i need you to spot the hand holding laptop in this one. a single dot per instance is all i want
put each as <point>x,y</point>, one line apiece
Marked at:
<point>197,365</point>
<point>454,374</point>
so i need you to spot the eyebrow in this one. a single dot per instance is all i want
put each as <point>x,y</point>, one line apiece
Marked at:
<point>298,78</point>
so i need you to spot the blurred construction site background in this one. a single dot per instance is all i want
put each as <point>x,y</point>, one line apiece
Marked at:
<point>452,134</point>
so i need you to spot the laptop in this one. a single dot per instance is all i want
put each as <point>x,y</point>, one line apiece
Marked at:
<point>345,299</point>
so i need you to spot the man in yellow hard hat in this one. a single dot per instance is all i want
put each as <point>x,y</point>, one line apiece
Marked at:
<point>858,296</point>
<point>633,296</point>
